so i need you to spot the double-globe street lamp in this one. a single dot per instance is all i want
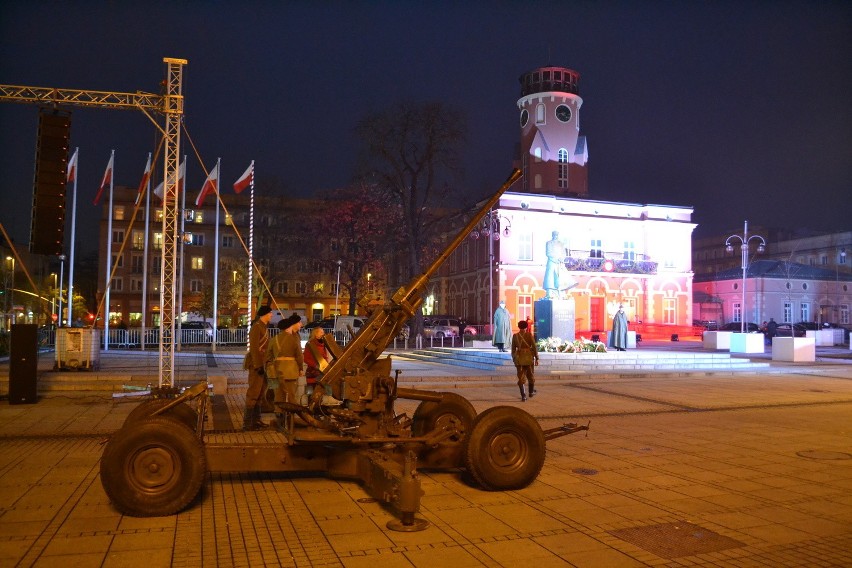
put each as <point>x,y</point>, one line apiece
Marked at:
<point>744,246</point>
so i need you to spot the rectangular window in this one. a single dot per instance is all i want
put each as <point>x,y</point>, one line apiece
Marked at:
<point>156,264</point>
<point>199,217</point>
<point>595,249</point>
<point>524,307</point>
<point>118,260</point>
<point>137,264</point>
<point>788,312</point>
<point>227,241</point>
<point>824,260</point>
<point>195,285</point>
<point>118,212</point>
<point>158,215</point>
<point>669,310</point>
<point>629,250</point>
<point>118,236</point>
<point>805,311</point>
<point>197,262</point>
<point>138,240</point>
<point>525,246</point>
<point>319,287</point>
<point>738,311</point>
<point>842,256</point>
<point>844,314</point>
<point>282,288</point>
<point>197,239</point>
<point>563,176</point>
<point>229,219</point>
<point>158,241</point>
<point>116,285</point>
<point>301,287</point>
<point>465,256</point>
<point>135,285</point>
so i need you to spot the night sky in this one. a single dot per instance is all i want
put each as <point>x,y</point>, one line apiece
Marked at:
<point>739,109</point>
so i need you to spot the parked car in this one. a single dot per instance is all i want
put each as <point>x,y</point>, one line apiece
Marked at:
<point>789,330</point>
<point>191,332</point>
<point>737,327</point>
<point>809,325</point>
<point>440,327</point>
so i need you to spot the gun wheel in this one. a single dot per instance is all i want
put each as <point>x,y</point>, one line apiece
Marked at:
<point>182,412</point>
<point>154,469</point>
<point>453,411</point>
<point>505,449</point>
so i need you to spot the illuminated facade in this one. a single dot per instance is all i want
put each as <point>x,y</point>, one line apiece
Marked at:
<point>617,253</point>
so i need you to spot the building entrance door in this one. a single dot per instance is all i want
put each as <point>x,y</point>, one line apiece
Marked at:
<point>596,310</point>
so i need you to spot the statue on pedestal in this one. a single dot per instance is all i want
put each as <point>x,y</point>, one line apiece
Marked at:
<point>556,279</point>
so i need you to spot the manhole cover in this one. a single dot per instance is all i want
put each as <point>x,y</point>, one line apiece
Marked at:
<point>584,471</point>
<point>824,455</point>
<point>672,540</point>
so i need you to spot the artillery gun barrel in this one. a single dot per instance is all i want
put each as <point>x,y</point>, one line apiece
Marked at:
<point>384,324</point>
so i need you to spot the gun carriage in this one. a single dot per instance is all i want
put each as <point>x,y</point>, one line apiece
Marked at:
<point>156,464</point>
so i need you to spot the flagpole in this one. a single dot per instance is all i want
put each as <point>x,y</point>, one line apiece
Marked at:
<point>182,187</point>
<point>216,254</point>
<point>108,256</point>
<point>71,255</point>
<point>251,248</point>
<point>145,257</point>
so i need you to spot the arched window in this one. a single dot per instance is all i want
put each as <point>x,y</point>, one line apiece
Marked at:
<point>539,113</point>
<point>537,153</point>
<point>563,168</point>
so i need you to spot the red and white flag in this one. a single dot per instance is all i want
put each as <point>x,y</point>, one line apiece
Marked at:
<point>146,175</point>
<point>159,192</point>
<point>211,185</point>
<point>106,181</point>
<point>72,167</point>
<point>246,179</point>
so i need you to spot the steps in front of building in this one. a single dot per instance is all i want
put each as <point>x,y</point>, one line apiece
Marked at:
<point>631,360</point>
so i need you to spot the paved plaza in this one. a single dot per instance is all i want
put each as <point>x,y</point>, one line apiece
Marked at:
<point>679,469</point>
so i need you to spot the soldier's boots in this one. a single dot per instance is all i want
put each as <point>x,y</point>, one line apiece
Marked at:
<point>523,393</point>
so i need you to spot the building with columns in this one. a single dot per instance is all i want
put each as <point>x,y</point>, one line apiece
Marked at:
<point>634,254</point>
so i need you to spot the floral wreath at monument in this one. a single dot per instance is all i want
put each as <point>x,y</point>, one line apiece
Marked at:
<point>557,345</point>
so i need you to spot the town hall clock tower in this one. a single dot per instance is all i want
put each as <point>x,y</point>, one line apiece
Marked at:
<point>553,154</point>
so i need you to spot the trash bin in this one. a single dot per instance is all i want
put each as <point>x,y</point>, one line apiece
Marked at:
<point>78,348</point>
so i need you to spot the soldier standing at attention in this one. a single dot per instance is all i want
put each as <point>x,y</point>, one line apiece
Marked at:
<point>254,364</point>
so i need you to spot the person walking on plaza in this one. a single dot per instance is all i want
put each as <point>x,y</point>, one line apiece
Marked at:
<point>771,330</point>
<point>254,364</point>
<point>525,357</point>
<point>502,327</point>
<point>285,357</point>
<point>618,336</point>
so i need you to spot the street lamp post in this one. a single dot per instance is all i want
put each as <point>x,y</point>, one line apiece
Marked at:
<point>61,278</point>
<point>491,230</point>
<point>53,297</point>
<point>744,240</point>
<point>10,300</point>
<point>337,295</point>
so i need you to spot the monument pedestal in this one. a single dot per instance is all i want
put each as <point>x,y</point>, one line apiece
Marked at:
<point>554,318</point>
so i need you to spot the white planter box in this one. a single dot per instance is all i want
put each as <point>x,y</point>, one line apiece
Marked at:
<point>717,340</point>
<point>822,337</point>
<point>747,343</point>
<point>486,344</point>
<point>796,349</point>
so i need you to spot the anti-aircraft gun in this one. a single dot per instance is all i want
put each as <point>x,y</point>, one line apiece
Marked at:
<point>156,463</point>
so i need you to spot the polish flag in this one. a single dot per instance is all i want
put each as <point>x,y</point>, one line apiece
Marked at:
<point>245,179</point>
<point>106,181</point>
<point>211,185</point>
<point>72,167</point>
<point>159,192</point>
<point>146,175</point>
